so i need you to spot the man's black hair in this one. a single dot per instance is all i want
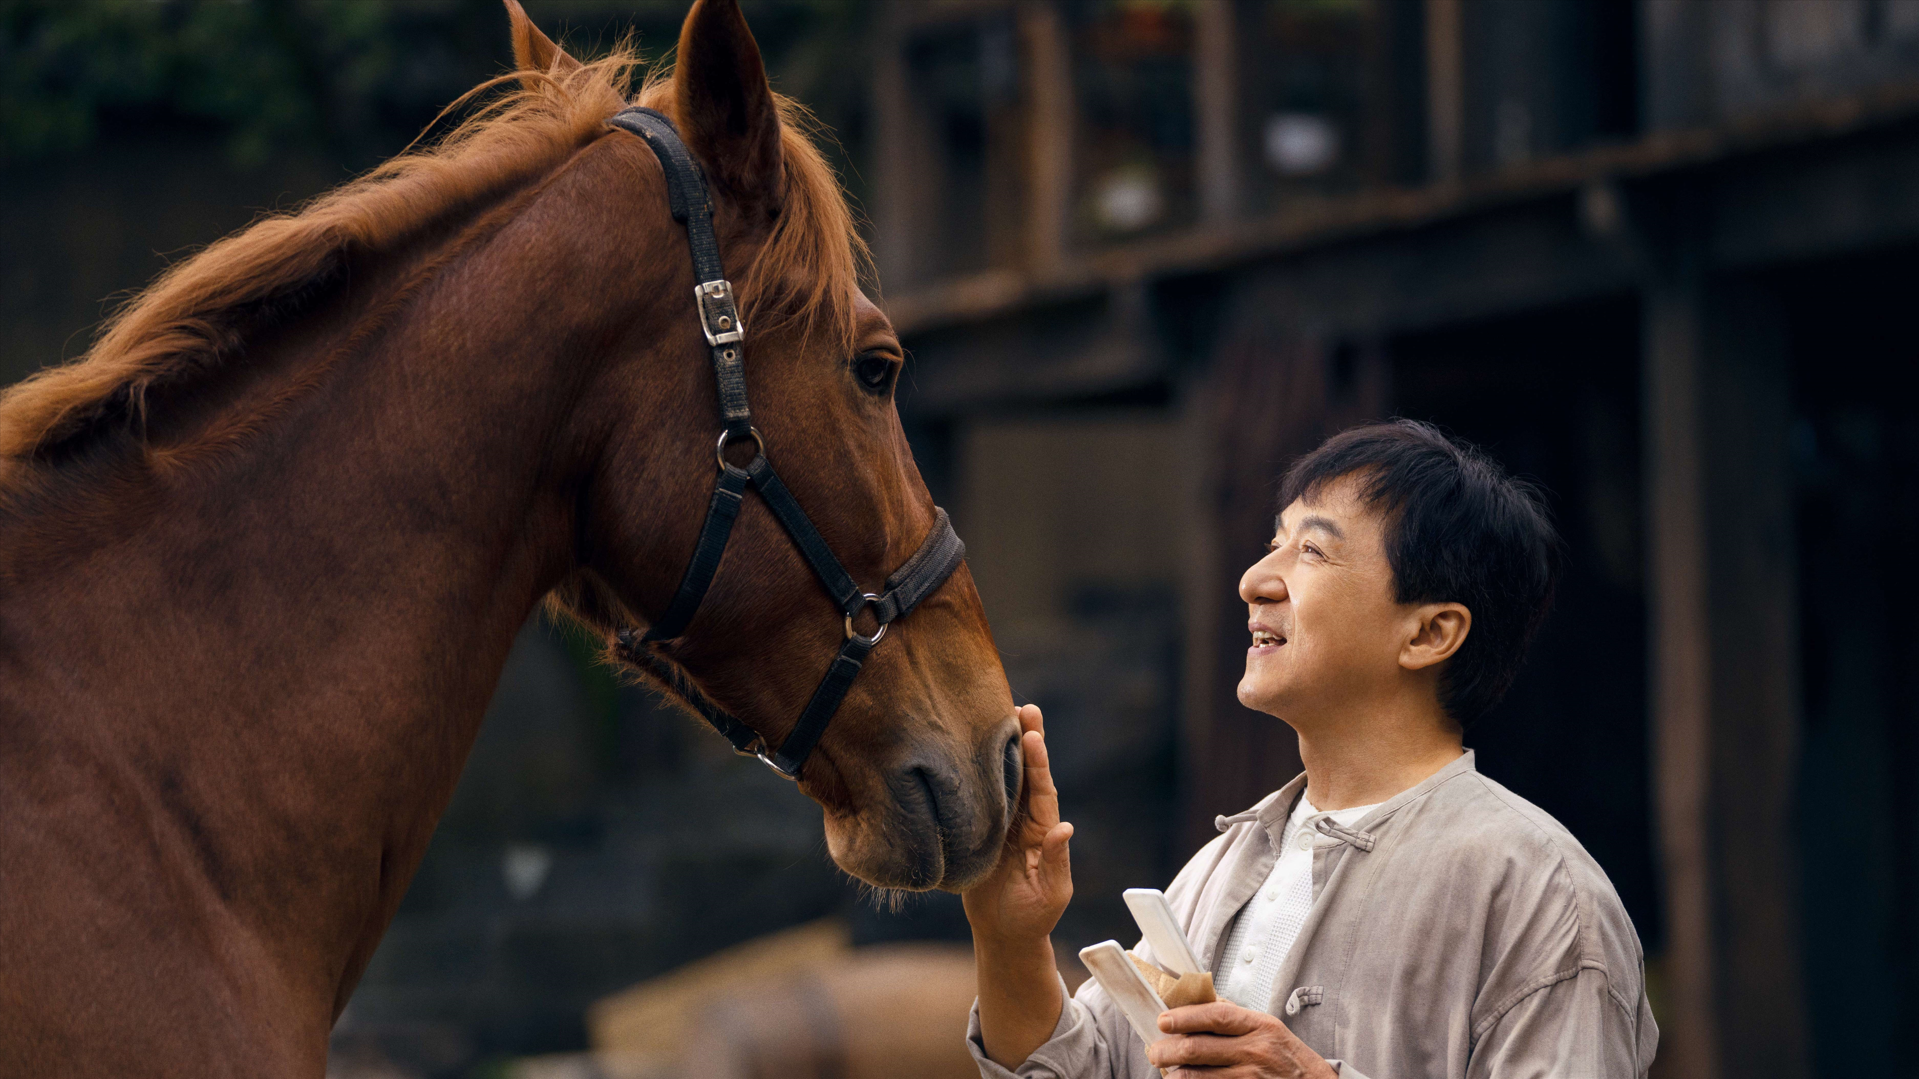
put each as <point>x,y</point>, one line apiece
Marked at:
<point>1458,529</point>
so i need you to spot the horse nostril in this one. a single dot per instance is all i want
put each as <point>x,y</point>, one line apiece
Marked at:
<point>930,792</point>
<point>1013,767</point>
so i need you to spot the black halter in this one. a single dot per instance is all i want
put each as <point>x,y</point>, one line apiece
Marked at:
<point>938,556</point>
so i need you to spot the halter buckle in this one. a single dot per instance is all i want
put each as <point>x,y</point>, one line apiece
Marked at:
<point>865,598</point>
<point>719,318</point>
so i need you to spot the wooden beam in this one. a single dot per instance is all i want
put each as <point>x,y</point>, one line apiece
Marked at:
<point>1724,662</point>
<point>1046,84</point>
<point>896,157</point>
<point>1096,344</point>
<point>1215,109</point>
<point>1679,662</point>
<point>1445,91</point>
<point>1830,180</point>
<point>1675,84</point>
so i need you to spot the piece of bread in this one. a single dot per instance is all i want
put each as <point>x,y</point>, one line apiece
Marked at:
<point>1176,992</point>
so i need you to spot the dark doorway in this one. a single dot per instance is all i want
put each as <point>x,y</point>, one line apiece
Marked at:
<point>1855,363</point>
<point>1554,396</point>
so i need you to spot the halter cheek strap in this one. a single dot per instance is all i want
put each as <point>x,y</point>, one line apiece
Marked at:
<point>938,556</point>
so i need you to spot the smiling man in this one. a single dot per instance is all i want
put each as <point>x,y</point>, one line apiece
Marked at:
<point>1390,913</point>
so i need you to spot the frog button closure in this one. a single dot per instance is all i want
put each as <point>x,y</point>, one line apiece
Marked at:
<point>1303,996</point>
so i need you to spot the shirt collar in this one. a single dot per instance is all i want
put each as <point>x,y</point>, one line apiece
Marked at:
<point>1270,810</point>
<point>1273,809</point>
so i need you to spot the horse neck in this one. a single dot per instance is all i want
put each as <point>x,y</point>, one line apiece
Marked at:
<point>293,647</point>
<point>387,531</point>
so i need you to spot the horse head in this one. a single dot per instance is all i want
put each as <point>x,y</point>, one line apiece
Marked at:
<point>917,771</point>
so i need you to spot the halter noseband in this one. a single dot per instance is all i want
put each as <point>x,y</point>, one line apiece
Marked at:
<point>938,555</point>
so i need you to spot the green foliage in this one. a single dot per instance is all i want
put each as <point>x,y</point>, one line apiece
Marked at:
<point>265,73</point>
<point>355,79</point>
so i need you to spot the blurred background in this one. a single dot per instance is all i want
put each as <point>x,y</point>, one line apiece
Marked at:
<point>1650,253</point>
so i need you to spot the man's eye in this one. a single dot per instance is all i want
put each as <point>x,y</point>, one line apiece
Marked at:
<point>874,371</point>
<point>1311,550</point>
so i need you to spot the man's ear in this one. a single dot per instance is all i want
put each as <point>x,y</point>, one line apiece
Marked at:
<point>1440,630</point>
<point>727,114</point>
<point>534,51</point>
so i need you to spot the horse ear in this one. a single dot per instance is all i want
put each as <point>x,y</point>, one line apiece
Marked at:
<point>534,51</point>
<point>726,107</point>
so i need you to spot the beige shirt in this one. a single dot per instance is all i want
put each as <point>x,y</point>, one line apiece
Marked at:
<point>1457,930</point>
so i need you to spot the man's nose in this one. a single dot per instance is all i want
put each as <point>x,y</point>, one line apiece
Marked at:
<point>1262,583</point>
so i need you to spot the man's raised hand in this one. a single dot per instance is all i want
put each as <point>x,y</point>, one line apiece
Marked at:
<point>1028,890</point>
<point>1014,909</point>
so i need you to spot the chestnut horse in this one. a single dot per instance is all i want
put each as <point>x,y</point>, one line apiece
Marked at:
<point>264,548</point>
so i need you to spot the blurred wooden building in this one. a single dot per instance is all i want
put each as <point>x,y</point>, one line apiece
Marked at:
<point>1654,254</point>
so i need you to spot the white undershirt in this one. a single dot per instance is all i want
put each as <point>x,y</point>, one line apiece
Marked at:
<point>1265,928</point>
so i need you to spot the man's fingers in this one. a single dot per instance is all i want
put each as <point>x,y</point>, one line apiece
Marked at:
<point>1042,834</point>
<point>1042,798</point>
<point>1048,862</point>
<point>1055,857</point>
<point>1218,1017</point>
<point>1039,764</point>
<point>1056,839</point>
<point>1199,1050</point>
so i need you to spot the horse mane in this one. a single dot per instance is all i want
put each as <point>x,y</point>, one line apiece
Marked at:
<point>193,322</point>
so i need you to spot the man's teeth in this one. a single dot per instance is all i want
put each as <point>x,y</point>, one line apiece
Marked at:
<point>1261,638</point>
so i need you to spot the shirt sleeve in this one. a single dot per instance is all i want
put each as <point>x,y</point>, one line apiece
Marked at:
<point>1091,1041</point>
<point>1573,1028</point>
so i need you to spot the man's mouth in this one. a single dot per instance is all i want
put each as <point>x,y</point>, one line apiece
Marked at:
<point>1266,638</point>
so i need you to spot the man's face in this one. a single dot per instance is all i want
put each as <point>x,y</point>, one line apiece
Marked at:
<point>1326,631</point>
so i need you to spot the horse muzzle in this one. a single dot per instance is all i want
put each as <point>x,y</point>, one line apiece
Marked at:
<point>939,820</point>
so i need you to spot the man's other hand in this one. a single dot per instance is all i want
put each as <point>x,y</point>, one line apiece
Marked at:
<point>1225,1040</point>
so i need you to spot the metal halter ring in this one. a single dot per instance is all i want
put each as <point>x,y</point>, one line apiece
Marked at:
<point>757,749</point>
<point>866,597</point>
<point>719,448</point>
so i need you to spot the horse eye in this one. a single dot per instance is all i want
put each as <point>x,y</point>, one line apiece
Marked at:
<point>873,370</point>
